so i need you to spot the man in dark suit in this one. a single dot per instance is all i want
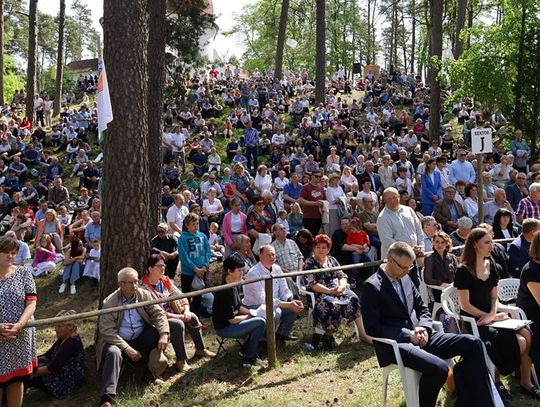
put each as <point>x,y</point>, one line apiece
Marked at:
<point>517,191</point>
<point>518,250</point>
<point>392,308</point>
<point>369,173</point>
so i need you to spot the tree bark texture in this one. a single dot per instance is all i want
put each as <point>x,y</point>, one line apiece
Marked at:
<point>460,24</point>
<point>156,82</point>
<point>278,70</point>
<point>32,59</point>
<point>320,52</point>
<point>60,58</point>
<point>436,51</point>
<point>413,34</point>
<point>126,181</point>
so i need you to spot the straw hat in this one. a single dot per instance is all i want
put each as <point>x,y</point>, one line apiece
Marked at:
<point>157,362</point>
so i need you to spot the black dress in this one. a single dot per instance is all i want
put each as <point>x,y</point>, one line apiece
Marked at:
<point>501,344</point>
<point>527,302</point>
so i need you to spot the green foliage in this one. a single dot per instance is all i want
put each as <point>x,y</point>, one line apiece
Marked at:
<point>13,80</point>
<point>258,25</point>
<point>48,83</point>
<point>186,24</point>
<point>485,70</point>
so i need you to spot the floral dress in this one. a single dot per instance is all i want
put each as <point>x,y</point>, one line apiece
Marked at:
<point>18,357</point>
<point>329,310</point>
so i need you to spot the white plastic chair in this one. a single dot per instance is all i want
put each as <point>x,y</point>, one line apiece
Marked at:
<point>507,290</point>
<point>311,302</point>
<point>410,378</point>
<point>450,305</point>
<point>427,296</point>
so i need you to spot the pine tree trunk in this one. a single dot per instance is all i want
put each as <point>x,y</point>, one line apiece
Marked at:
<point>1,52</point>
<point>156,83</point>
<point>126,180</point>
<point>460,24</point>
<point>32,60</point>
<point>518,89</point>
<point>278,70</point>
<point>413,34</point>
<point>436,50</point>
<point>60,58</point>
<point>320,52</point>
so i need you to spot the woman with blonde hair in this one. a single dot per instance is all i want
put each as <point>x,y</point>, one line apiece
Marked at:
<point>53,227</point>
<point>295,219</point>
<point>334,193</point>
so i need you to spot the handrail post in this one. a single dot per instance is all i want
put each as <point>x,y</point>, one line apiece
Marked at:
<point>270,329</point>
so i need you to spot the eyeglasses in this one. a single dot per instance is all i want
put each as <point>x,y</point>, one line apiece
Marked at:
<point>132,283</point>
<point>404,268</point>
<point>161,266</point>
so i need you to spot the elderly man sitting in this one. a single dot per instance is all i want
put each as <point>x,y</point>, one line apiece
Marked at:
<point>133,333</point>
<point>254,295</point>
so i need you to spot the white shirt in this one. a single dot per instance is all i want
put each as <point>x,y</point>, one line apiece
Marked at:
<point>254,292</point>
<point>176,215</point>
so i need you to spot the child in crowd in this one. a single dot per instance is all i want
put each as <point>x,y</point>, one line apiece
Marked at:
<point>45,257</point>
<point>283,220</point>
<point>91,268</point>
<point>218,250</point>
<point>73,266</point>
<point>360,241</point>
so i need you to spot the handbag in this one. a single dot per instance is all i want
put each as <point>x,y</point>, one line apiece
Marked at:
<point>197,283</point>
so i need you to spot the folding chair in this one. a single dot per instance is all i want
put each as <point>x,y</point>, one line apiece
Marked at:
<point>221,344</point>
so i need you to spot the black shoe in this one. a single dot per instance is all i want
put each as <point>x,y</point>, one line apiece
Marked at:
<point>533,392</point>
<point>282,338</point>
<point>503,392</point>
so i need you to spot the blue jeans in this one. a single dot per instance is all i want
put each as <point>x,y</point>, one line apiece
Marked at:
<point>252,153</point>
<point>254,328</point>
<point>360,258</point>
<point>72,272</point>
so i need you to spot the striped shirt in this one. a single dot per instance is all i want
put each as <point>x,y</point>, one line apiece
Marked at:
<point>251,137</point>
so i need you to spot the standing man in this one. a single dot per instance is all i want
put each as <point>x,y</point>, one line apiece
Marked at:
<point>254,295</point>
<point>311,200</point>
<point>392,308</point>
<point>399,223</point>
<point>176,215</point>
<point>251,140</point>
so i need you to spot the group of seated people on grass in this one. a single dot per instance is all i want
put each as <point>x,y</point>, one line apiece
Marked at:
<point>305,187</point>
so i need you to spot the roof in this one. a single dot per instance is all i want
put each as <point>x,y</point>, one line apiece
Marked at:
<point>83,65</point>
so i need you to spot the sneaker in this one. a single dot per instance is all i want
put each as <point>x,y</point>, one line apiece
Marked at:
<point>205,353</point>
<point>73,289</point>
<point>182,365</point>
<point>252,362</point>
<point>62,288</point>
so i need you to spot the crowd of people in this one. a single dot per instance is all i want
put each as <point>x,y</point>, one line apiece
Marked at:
<point>300,186</point>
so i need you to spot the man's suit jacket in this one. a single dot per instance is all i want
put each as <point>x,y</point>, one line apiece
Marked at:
<point>518,256</point>
<point>441,211</point>
<point>514,195</point>
<point>374,178</point>
<point>384,314</point>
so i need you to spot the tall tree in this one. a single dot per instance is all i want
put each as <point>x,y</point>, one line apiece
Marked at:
<point>157,29</point>
<point>60,58</point>
<point>520,66</point>
<point>1,52</point>
<point>436,54</point>
<point>126,215</point>
<point>281,39</point>
<point>320,52</point>
<point>460,24</point>
<point>32,60</point>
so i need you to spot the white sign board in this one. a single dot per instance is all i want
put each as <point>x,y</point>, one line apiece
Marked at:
<point>482,140</point>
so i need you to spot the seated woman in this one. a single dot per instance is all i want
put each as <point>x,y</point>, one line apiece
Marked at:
<point>52,226</point>
<point>73,265</point>
<point>45,257</point>
<point>177,312</point>
<point>231,319</point>
<point>440,265</point>
<point>243,252</point>
<point>334,301</point>
<point>528,298</point>
<point>477,287</point>
<point>61,369</point>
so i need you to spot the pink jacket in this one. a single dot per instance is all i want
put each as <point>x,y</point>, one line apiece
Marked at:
<point>226,227</point>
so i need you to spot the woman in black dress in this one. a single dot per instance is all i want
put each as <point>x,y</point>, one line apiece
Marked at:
<point>476,281</point>
<point>528,298</point>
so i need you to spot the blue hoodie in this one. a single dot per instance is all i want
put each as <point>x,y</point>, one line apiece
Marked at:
<point>194,251</point>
